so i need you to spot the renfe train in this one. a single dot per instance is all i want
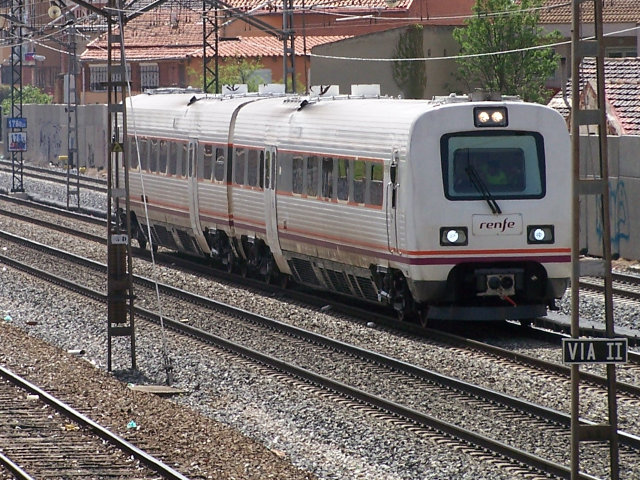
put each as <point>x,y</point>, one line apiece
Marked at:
<point>445,209</point>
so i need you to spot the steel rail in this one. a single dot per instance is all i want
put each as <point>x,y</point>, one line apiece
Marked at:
<point>17,472</point>
<point>153,463</point>
<point>357,394</point>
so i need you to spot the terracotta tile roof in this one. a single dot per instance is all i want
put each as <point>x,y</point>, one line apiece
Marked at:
<point>152,37</point>
<point>276,5</point>
<point>622,89</point>
<point>613,11</point>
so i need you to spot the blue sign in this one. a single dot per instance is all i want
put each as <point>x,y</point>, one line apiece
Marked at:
<point>16,122</point>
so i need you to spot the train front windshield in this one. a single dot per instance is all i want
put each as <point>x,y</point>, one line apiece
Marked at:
<point>496,163</point>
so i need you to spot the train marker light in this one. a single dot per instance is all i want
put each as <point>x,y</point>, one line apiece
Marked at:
<point>490,117</point>
<point>453,236</point>
<point>540,234</point>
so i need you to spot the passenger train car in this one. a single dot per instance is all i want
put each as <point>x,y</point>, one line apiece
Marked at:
<point>445,209</point>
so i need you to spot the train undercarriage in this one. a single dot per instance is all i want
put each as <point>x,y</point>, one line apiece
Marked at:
<point>472,291</point>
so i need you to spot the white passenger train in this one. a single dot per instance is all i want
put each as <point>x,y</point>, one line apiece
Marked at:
<point>445,209</point>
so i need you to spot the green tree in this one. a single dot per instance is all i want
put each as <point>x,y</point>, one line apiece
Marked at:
<point>410,75</point>
<point>503,25</point>
<point>241,70</point>
<point>236,71</point>
<point>30,94</point>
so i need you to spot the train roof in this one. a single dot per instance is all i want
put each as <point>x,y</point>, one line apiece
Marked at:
<point>367,125</point>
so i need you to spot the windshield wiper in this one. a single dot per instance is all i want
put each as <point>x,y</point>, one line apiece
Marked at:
<point>482,189</point>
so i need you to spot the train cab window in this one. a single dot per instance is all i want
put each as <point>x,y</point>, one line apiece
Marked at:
<point>172,167</point>
<point>252,167</point>
<point>218,168</point>
<point>153,155</point>
<point>239,165</point>
<point>163,152</point>
<point>297,174</point>
<point>207,161</point>
<point>313,174</point>
<point>375,183</point>
<point>327,177</point>
<point>359,177</point>
<point>506,165</point>
<point>343,179</point>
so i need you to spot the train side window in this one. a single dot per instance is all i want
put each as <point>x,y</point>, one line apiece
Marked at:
<point>375,184</point>
<point>327,177</point>
<point>261,169</point>
<point>173,158</point>
<point>218,169</point>
<point>163,152</point>
<point>133,154</point>
<point>207,162</point>
<point>298,174</point>
<point>239,165</point>
<point>283,172</point>
<point>358,181</point>
<point>153,155</point>
<point>267,178</point>
<point>252,167</point>
<point>343,179</point>
<point>185,160</point>
<point>144,155</point>
<point>312,176</point>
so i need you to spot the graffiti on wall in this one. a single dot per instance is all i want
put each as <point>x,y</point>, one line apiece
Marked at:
<point>619,216</point>
<point>50,142</point>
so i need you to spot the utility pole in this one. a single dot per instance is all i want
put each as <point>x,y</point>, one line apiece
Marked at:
<point>593,188</point>
<point>209,31</point>
<point>119,262</point>
<point>16,136</point>
<point>73,159</point>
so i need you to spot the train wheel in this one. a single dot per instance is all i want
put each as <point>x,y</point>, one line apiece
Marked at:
<point>270,270</point>
<point>244,269</point>
<point>229,262</point>
<point>422,316</point>
<point>525,322</point>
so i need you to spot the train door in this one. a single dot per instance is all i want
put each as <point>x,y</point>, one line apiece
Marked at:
<point>194,216</point>
<point>392,200</point>
<point>270,201</point>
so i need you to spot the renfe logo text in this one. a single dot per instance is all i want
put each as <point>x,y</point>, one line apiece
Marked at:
<point>500,226</point>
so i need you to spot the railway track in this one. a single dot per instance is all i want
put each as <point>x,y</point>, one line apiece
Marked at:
<point>408,378</point>
<point>60,177</point>
<point>43,437</point>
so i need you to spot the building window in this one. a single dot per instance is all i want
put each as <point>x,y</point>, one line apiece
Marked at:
<point>149,76</point>
<point>621,52</point>
<point>98,81</point>
<point>98,77</point>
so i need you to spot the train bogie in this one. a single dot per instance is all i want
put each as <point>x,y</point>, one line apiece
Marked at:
<point>446,209</point>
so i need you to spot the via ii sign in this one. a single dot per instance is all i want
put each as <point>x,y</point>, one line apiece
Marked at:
<point>594,350</point>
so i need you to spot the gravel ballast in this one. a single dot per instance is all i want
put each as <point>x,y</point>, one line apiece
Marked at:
<point>289,432</point>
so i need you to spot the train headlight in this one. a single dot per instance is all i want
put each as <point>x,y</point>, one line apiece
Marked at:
<point>490,117</point>
<point>540,234</point>
<point>453,236</point>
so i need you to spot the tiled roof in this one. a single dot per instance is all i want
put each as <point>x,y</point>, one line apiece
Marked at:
<point>622,90</point>
<point>613,11</point>
<point>276,5</point>
<point>154,37</point>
